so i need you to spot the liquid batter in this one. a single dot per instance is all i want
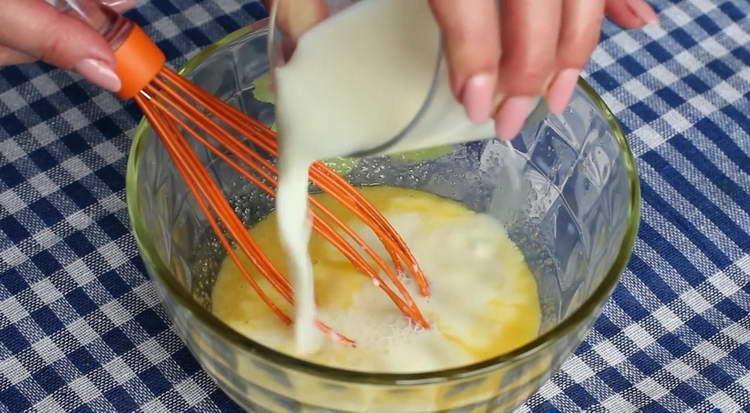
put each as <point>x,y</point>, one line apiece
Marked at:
<point>484,298</point>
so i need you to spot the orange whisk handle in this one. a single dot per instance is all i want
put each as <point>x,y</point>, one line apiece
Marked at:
<point>137,58</point>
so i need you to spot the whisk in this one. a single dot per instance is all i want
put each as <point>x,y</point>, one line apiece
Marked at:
<point>180,111</point>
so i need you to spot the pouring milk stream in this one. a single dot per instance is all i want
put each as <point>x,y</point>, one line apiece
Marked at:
<point>368,79</point>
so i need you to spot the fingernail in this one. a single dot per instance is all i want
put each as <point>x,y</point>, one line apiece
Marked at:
<point>99,73</point>
<point>121,5</point>
<point>561,90</point>
<point>512,115</point>
<point>644,11</point>
<point>477,97</point>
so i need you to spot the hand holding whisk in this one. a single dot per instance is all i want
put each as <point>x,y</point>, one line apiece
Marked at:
<point>180,111</point>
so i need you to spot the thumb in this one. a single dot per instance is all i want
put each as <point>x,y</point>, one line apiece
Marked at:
<point>39,30</point>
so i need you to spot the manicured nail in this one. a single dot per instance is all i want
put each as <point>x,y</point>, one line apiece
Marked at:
<point>512,115</point>
<point>99,73</point>
<point>477,97</point>
<point>644,11</point>
<point>121,5</point>
<point>561,90</point>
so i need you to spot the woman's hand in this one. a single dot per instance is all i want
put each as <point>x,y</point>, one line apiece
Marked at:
<point>33,30</point>
<point>503,54</point>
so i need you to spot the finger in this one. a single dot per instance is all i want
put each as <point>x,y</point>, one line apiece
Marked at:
<point>631,14</point>
<point>579,35</point>
<point>529,33</point>
<point>9,57</point>
<point>472,46</point>
<point>120,6</point>
<point>35,28</point>
<point>295,17</point>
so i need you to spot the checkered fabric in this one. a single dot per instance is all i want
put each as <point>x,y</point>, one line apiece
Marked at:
<point>81,328</point>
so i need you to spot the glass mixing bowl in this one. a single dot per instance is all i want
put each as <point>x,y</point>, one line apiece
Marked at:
<point>567,191</point>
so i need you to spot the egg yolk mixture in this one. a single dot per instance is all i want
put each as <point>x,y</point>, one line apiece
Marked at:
<point>483,300</point>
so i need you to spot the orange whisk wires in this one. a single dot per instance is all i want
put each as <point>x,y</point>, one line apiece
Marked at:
<point>176,108</point>
<point>180,111</point>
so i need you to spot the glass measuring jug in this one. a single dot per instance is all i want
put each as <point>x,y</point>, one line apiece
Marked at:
<point>372,70</point>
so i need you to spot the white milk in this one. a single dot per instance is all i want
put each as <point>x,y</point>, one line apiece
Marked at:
<point>354,82</point>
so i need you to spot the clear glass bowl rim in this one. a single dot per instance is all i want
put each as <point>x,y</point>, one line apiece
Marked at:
<point>185,299</point>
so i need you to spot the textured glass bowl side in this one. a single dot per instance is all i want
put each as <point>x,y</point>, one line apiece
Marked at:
<point>579,200</point>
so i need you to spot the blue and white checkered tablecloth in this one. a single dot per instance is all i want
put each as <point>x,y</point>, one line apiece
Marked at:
<point>81,329</point>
